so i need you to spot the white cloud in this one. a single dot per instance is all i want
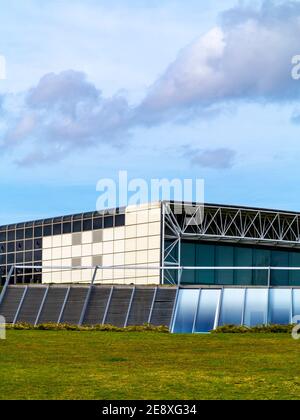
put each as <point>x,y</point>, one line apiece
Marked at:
<point>247,57</point>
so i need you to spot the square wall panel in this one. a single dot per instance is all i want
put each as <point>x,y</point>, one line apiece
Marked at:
<point>108,260</point>
<point>66,240</point>
<point>66,277</point>
<point>142,243</point>
<point>87,275</point>
<point>130,245</point>
<point>76,251</point>
<point>47,277</point>
<point>47,254</point>
<point>130,231</point>
<point>142,257</point>
<point>108,247</point>
<point>97,249</point>
<point>108,234</point>
<point>130,218</point>
<point>76,276</point>
<point>56,253</point>
<point>107,275</point>
<point>57,277</point>
<point>87,261</point>
<point>66,262</point>
<point>119,233</point>
<point>66,252</point>
<point>119,259</point>
<point>87,237</point>
<point>56,241</point>
<point>142,216</point>
<point>119,274</point>
<point>155,215</point>
<point>119,246</point>
<point>142,230</point>
<point>154,256</point>
<point>76,239</point>
<point>97,236</point>
<point>154,242</point>
<point>154,228</point>
<point>130,258</point>
<point>86,250</point>
<point>47,242</point>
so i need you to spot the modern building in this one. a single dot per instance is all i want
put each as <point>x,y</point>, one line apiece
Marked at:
<point>198,266</point>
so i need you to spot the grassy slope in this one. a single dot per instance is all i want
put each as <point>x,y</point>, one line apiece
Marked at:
<point>93,365</point>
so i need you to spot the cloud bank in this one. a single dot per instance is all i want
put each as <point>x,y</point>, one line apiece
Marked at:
<point>245,58</point>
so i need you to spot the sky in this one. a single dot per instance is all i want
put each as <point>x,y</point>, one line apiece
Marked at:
<point>162,89</point>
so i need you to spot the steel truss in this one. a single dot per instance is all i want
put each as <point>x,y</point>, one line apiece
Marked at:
<point>223,223</point>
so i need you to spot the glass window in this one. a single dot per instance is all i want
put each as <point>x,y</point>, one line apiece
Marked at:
<point>279,259</point>
<point>28,233</point>
<point>2,236</point>
<point>256,304</point>
<point>20,234</point>
<point>261,258</point>
<point>280,305</point>
<point>11,235</point>
<point>77,226</point>
<point>28,244</point>
<point>188,254</point>
<point>98,223</point>
<point>47,230</point>
<point>38,243</point>
<point>57,229</point>
<point>120,220</point>
<point>224,257</point>
<point>11,247</point>
<point>67,227</point>
<point>87,224</point>
<point>108,221</point>
<point>186,310</point>
<point>243,258</point>
<point>205,257</point>
<point>296,302</point>
<point>294,275</point>
<point>20,245</point>
<point>208,302</point>
<point>232,306</point>
<point>38,231</point>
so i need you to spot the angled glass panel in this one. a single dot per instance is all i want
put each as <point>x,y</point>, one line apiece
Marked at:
<point>256,306</point>
<point>186,310</point>
<point>209,299</point>
<point>232,306</point>
<point>280,305</point>
<point>296,302</point>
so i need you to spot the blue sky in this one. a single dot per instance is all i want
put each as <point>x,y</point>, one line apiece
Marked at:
<point>161,89</point>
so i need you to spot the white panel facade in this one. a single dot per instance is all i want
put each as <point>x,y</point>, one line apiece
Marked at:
<point>137,243</point>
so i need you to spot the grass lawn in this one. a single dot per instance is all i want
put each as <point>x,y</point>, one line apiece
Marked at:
<point>100,365</point>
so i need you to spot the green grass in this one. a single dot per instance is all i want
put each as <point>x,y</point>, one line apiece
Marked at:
<point>104,365</point>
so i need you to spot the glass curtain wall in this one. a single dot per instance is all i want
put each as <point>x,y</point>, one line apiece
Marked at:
<point>202,310</point>
<point>220,255</point>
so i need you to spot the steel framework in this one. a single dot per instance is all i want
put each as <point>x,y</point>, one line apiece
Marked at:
<point>210,222</point>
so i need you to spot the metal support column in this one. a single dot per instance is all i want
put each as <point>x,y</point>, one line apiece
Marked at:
<point>10,273</point>
<point>87,299</point>
<point>42,305</point>
<point>20,305</point>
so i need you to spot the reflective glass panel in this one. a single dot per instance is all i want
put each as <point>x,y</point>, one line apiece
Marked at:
<point>256,305</point>
<point>208,302</point>
<point>296,302</point>
<point>232,307</point>
<point>280,303</point>
<point>185,311</point>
